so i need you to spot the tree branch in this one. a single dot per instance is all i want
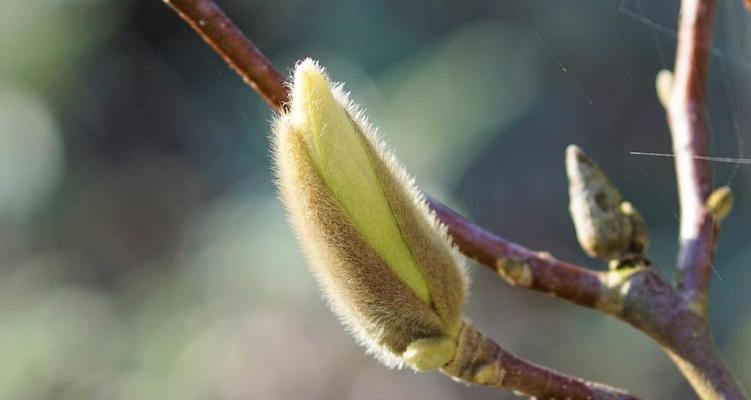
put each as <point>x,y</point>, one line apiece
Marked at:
<point>519,266</point>
<point>638,296</point>
<point>482,361</point>
<point>688,123</point>
<point>206,18</point>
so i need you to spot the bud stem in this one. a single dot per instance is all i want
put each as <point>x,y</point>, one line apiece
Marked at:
<point>480,360</point>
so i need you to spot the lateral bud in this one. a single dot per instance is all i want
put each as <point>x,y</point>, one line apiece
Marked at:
<point>607,227</point>
<point>664,87</point>
<point>477,359</point>
<point>720,203</point>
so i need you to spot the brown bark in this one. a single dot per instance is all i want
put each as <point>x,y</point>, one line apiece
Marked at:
<point>688,125</point>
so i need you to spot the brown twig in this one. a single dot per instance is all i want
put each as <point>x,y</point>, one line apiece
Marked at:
<point>686,106</point>
<point>482,361</point>
<point>206,18</point>
<point>688,123</point>
<point>520,266</point>
<point>640,296</point>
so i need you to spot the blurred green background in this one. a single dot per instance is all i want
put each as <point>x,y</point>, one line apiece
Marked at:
<point>144,254</point>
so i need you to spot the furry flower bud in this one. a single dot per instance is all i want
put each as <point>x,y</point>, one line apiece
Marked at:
<point>383,260</point>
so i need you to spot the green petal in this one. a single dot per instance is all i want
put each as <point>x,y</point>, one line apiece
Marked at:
<point>339,152</point>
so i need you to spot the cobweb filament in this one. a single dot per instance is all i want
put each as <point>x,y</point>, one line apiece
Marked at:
<point>731,160</point>
<point>672,33</point>
<point>737,10</point>
<point>599,114</point>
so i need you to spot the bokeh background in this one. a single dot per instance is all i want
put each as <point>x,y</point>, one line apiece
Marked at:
<point>144,254</point>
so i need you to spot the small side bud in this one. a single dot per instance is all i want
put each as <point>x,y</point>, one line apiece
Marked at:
<point>516,272</point>
<point>606,226</point>
<point>664,86</point>
<point>383,260</point>
<point>430,353</point>
<point>476,359</point>
<point>639,230</point>
<point>720,203</point>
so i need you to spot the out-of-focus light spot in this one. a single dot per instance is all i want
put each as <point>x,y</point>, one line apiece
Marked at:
<point>31,154</point>
<point>373,382</point>
<point>243,248</point>
<point>739,352</point>
<point>52,332</point>
<point>41,39</point>
<point>450,99</point>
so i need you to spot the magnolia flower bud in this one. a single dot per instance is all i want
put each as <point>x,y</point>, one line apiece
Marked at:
<point>606,226</point>
<point>383,260</point>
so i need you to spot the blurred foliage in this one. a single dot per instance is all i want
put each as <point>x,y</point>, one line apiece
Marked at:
<point>144,253</point>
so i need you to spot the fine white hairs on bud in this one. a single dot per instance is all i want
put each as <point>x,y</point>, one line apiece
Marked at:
<point>606,226</point>
<point>384,262</point>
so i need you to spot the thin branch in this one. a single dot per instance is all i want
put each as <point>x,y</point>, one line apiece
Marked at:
<point>639,296</point>
<point>688,123</point>
<point>520,266</point>
<point>543,383</point>
<point>480,360</point>
<point>687,115</point>
<point>206,18</point>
